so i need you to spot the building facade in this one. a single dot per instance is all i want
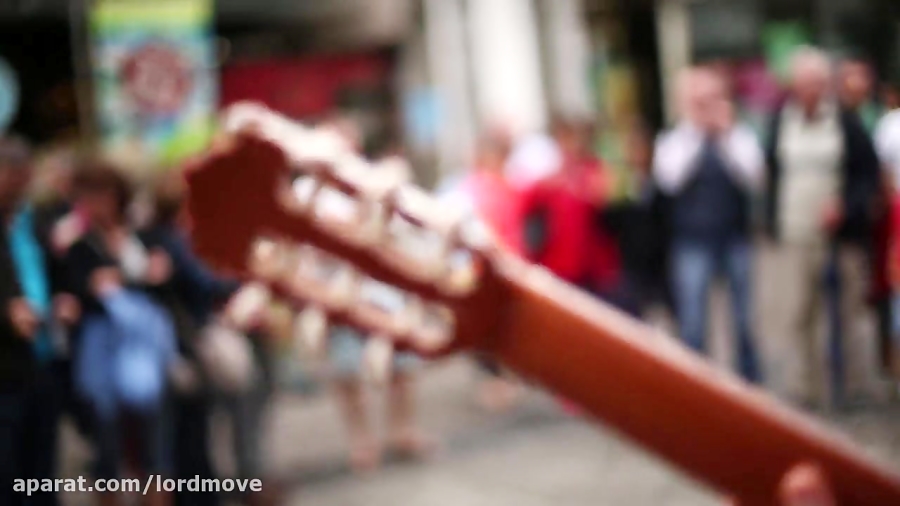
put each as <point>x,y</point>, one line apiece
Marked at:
<point>747,34</point>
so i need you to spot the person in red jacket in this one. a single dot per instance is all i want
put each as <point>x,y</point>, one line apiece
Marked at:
<point>562,229</point>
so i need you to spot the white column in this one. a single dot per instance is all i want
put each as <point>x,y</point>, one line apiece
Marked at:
<point>505,53</point>
<point>448,66</point>
<point>673,25</point>
<point>568,57</point>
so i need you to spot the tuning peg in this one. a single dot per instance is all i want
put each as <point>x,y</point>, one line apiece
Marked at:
<point>311,329</point>
<point>475,234</point>
<point>435,329</point>
<point>461,274</point>
<point>247,303</point>
<point>292,138</point>
<point>395,167</point>
<point>373,223</point>
<point>321,147</point>
<point>242,114</point>
<point>335,207</point>
<point>386,178</point>
<point>378,359</point>
<point>283,132</point>
<point>416,206</point>
<point>470,240</point>
<point>263,257</point>
<point>344,287</point>
<point>419,252</point>
<point>351,169</point>
<point>305,191</point>
<point>411,316</point>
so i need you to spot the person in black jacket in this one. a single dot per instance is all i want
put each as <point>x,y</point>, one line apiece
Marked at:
<point>822,196</point>
<point>56,221</point>
<point>640,227</point>
<point>32,308</point>
<point>111,256</point>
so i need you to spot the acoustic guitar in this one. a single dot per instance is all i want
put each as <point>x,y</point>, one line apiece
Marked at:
<point>256,202</point>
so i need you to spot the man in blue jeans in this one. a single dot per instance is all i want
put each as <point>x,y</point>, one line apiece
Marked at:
<point>29,308</point>
<point>708,165</point>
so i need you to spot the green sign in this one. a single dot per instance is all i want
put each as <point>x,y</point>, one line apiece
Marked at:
<point>780,41</point>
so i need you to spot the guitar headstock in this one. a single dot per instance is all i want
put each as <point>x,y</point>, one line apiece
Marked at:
<point>294,208</point>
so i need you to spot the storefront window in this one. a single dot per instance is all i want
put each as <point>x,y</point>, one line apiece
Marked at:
<point>724,29</point>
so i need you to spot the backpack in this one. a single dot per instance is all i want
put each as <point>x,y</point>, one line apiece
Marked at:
<point>126,354</point>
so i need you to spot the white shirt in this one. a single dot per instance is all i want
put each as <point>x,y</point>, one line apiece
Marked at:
<point>887,142</point>
<point>451,193</point>
<point>534,158</point>
<point>134,259</point>
<point>676,153</point>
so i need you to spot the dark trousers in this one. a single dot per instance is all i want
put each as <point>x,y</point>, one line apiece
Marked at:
<point>634,294</point>
<point>191,447</point>
<point>835,326</point>
<point>29,426</point>
<point>883,309</point>
<point>72,404</point>
<point>618,294</point>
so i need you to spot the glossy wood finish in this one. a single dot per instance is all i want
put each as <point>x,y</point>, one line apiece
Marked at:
<point>728,435</point>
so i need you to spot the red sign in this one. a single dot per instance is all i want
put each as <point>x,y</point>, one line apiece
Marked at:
<point>157,79</point>
<point>301,88</point>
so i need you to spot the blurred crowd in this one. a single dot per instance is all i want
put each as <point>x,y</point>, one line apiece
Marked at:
<point>107,317</point>
<point>700,203</point>
<point>110,320</point>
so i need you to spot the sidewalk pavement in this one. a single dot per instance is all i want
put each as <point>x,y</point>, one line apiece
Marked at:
<point>532,456</point>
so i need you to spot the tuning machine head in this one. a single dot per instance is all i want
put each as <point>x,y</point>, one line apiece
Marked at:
<point>294,208</point>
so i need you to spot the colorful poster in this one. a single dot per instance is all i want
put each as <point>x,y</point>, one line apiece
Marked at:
<point>155,83</point>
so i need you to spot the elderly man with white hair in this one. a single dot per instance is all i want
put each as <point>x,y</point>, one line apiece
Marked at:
<point>823,185</point>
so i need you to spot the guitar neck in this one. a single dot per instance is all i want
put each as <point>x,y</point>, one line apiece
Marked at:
<point>724,433</point>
